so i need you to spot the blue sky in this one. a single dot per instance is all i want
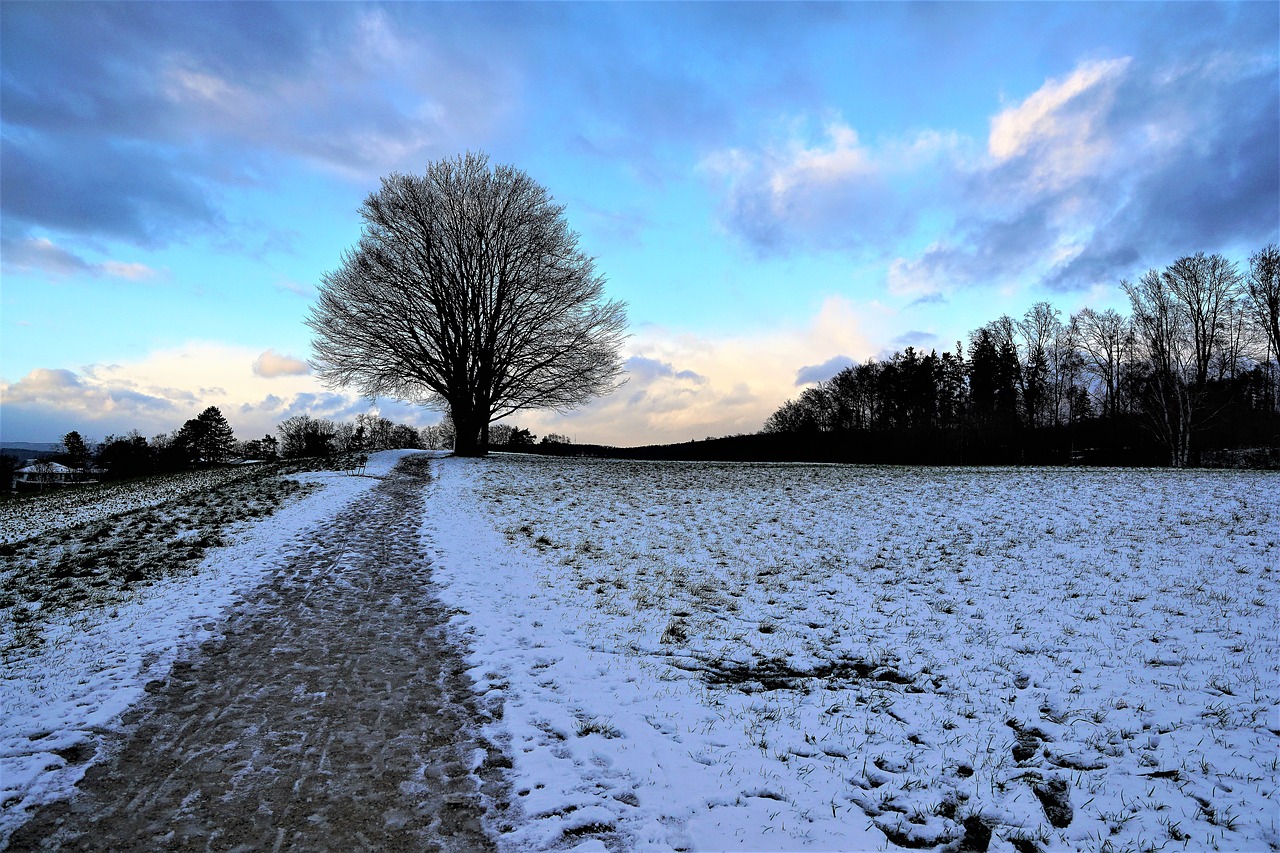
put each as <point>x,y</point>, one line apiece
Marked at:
<point>772,188</point>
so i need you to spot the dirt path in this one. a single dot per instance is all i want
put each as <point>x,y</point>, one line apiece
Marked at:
<point>332,714</point>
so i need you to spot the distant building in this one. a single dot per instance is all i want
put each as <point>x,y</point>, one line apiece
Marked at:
<point>43,473</point>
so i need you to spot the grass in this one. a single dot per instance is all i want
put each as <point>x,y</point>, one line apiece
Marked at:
<point>137,534</point>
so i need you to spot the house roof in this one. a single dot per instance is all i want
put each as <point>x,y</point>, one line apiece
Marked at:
<point>48,468</point>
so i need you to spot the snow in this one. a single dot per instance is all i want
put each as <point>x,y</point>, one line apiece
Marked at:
<point>699,656</point>
<point>24,517</point>
<point>71,694</point>
<point>784,657</point>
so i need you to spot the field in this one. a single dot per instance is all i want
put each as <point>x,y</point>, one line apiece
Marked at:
<point>784,656</point>
<point>758,657</point>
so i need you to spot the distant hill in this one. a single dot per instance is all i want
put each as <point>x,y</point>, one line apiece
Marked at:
<point>30,449</point>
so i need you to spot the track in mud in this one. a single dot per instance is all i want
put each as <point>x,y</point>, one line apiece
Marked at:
<point>332,714</point>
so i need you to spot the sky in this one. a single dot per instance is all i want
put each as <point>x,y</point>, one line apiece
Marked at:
<point>775,190</point>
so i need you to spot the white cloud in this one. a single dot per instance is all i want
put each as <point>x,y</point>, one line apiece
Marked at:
<point>159,392</point>
<point>685,386</point>
<point>271,364</point>
<point>1062,124</point>
<point>837,191</point>
<point>1044,114</point>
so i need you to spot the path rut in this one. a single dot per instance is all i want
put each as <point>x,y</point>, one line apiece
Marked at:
<point>332,713</point>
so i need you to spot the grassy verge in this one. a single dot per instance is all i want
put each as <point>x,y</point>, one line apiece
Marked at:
<point>103,558</point>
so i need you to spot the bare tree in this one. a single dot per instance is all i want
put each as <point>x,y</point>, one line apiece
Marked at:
<point>1163,330</point>
<point>1103,338</point>
<point>1183,320</point>
<point>1262,289</point>
<point>467,291</point>
<point>1038,329</point>
<point>1206,286</point>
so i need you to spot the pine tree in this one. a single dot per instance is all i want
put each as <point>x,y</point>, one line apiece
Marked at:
<point>207,439</point>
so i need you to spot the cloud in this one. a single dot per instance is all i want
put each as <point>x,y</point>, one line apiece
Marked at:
<point>822,372</point>
<point>835,192</point>
<point>684,386</point>
<point>1062,119</point>
<point>1118,163</point>
<point>93,187</point>
<point>271,364</point>
<point>130,122</point>
<point>43,255</point>
<point>306,291</point>
<point>915,338</point>
<point>159,392</point>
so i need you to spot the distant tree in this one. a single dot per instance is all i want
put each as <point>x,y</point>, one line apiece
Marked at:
<point>810,412</point>
<point>404,437</point>
<point>953,389</point>
<point>499,434</point>
<point>126,456</point>
<point>1205,288</point>
<point>1037,330</point>
<point>75,452</point>
<point>206,439</point>
<point>262,449</point>
<point>1104,340</point>
<point>1181,317</point>
<point>555,438</point>
<point>303,435</point>
<point>9,466</point>
<point>1262,290</point>
<point>468,291</point>
<point>377,431</point>
<point>438,436</point>
<point>520,437</point>
<point>347,437</point>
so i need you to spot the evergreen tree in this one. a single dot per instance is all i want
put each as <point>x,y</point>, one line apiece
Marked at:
<point>73,447</point>
<point>206,439</point>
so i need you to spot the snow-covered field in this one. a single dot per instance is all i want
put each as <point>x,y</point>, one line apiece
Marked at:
<point>22,518</point>
<point>60,700</point>
<point>701,656</point>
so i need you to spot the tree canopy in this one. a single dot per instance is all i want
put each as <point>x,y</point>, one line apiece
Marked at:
<point>467,291</point>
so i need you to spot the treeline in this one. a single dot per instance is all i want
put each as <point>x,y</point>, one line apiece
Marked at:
<point>208,440</point>
<point>1192,369</point>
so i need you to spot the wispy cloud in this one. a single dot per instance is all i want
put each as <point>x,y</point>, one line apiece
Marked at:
<point>832,192</point>
<point>148,111</point>
<point>43,255</point>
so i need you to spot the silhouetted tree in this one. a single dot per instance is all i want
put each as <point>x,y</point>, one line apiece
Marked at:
<point>206,439</point>
<point>1262,289</point>
<point>75,452</point>
<point>467,290</point>
<point>126,456</point>
<point>1105,340</point>
<point>303,435</point>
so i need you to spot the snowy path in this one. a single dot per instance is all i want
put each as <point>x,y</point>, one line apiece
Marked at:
<point>331,713</point>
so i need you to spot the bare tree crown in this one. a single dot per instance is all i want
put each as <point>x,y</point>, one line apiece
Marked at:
<point>467,290</point>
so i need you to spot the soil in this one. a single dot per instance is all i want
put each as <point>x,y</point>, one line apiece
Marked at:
<point>333,712</point>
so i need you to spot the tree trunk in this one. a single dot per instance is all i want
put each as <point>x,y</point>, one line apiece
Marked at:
<point>467,428</point>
